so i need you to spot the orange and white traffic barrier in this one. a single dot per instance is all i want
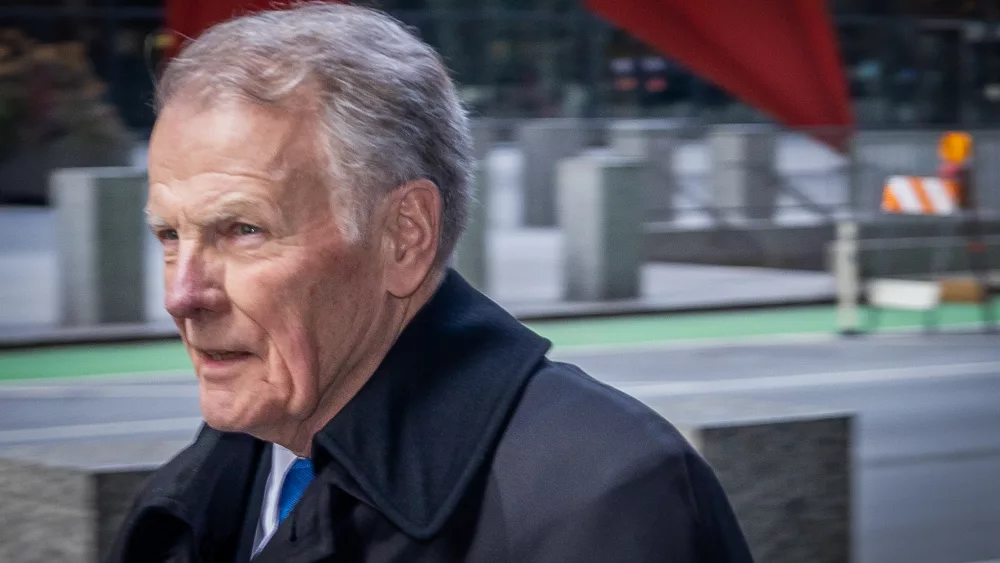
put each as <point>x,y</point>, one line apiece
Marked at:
<point>920,195</point>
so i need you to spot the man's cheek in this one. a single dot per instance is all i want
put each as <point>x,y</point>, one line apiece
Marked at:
<point>294,368</point>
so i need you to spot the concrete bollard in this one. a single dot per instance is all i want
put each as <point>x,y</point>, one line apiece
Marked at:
<point>786,470</point>
<point>100,244</point>
<point>743,178</point>
<point>847,275</point>
<point>544,142</point>
<point>653,141</point>
<point>470,258</point>
<point>600,215</point>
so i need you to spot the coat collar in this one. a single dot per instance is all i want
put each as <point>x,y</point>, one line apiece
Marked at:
<point>204,489</point>
<point>415,436</point>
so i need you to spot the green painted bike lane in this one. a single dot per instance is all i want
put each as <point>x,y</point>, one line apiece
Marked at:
<point>132,358</point>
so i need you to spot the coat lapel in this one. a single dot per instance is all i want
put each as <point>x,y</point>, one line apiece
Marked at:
<point>423,426</point>
<point>255,503</point>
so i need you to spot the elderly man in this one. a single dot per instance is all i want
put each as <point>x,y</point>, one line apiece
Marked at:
<point>309,175</point>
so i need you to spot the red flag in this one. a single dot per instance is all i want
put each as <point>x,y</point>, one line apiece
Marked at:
<point>779,56</point>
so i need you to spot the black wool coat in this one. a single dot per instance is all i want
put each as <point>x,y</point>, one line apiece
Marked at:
<point>467,445</point>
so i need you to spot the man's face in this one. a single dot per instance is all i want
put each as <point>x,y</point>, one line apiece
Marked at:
<point>272,302</point>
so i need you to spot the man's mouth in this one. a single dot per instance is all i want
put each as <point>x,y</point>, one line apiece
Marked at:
<point>224,355</point>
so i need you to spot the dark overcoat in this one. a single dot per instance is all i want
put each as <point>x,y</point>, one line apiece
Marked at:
<point>467,444</point>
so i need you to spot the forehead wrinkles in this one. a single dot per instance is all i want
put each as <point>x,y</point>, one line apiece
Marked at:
<point>269,143</point>
<point>204,206</point>
<point>297,167</point>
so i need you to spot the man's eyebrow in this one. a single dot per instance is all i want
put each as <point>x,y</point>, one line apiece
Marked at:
<point>156,222</point>
<point>226,208</point>
<point>231,206</point>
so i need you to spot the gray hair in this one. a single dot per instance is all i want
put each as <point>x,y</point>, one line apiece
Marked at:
<point>390,113</point>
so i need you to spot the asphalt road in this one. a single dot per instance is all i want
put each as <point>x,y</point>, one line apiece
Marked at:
<point>928,421</point>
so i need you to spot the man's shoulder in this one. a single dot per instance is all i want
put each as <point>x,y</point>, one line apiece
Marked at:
<point>570,425</point>
<point>580,460</point>
<point>564,404</point>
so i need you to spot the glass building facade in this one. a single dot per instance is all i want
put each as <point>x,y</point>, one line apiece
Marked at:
<point>909,63</point>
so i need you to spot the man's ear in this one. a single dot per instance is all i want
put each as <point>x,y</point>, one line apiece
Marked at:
<point>411,236</point>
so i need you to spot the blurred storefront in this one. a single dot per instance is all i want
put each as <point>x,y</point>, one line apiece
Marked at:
<point>909,62</point>
<point>117,36</point>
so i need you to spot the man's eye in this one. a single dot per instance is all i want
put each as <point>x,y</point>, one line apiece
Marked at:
<point>243,229</point>
<point>167,234</point>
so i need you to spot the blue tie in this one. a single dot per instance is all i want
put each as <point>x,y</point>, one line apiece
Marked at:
<point>296,481</point>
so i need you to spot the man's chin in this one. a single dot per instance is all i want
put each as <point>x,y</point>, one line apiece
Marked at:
<point>223,422</point>
<point>225,414</point>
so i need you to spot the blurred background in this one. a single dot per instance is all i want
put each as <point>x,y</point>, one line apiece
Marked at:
<point>694,205</point>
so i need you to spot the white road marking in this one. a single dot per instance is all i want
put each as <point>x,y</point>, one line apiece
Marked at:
<point>819,379</point>
<point>103,379</point>
<point>153,391</point>
<point>99,430</point>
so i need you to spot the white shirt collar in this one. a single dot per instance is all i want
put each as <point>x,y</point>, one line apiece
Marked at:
<point>281,461</point>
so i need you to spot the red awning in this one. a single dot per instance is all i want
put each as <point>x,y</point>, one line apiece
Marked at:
<point>779,56</point>
<point>189,18</point>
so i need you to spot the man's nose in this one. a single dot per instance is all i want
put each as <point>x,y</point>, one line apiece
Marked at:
<point>193,285</point>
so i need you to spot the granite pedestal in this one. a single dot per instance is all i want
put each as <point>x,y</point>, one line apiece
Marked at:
<point>786,469</point>
<point>64,503</point>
